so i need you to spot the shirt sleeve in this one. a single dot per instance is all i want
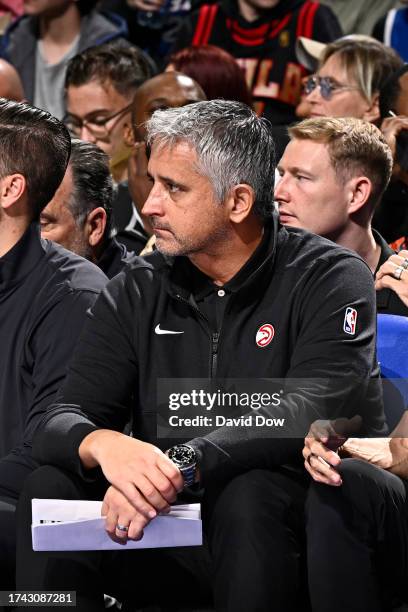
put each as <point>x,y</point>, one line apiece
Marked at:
<point>48,351</point>
<point>332,374</point>
<point>101,377</point>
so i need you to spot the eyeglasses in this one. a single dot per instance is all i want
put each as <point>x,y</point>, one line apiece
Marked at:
<point>96,125</point>
<point>326,85</point>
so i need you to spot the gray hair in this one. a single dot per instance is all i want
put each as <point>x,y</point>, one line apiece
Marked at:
<point>92,182</point>
<point>233,146</point>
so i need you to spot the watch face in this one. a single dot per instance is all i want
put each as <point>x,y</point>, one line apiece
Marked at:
<point>182,455</point>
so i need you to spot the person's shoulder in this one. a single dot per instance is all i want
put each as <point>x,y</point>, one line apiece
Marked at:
<point>71,272</point>
<point>18,33</point>
<point>99,27</point>
<point>303,249</point>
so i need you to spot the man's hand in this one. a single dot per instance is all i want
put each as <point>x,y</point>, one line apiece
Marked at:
<point>118,511</point>
<point>385,278</point>
<point>323,438</point>
<point>140,471</point>
<point>391,127</point>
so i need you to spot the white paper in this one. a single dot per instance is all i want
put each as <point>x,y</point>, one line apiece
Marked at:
<point>59,524</point>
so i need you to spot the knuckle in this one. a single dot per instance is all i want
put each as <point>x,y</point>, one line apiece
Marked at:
<point>149,491</point>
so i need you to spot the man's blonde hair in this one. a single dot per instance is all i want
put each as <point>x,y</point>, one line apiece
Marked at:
<point>355,147</point>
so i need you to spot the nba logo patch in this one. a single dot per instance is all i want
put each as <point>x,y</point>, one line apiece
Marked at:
<point>350,321</point>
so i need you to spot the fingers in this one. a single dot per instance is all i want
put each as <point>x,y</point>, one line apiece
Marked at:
<point>122,521</point>
<point>391,127</point>
<point>320,471</point>
<point>171,471</point>
<point>157,490</point>
<point>314,447</point>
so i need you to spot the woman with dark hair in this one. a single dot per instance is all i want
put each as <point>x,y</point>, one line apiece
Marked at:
<point>215,70</point>
<point>41,43</point>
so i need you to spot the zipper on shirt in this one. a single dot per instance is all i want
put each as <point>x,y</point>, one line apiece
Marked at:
<point>214,336</point>
<point>214,353</point>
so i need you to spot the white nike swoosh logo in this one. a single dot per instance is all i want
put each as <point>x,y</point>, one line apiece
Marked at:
<point>159,331</point>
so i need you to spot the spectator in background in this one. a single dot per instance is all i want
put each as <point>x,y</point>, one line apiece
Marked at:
<point>10,83</point>
<point>392,28</point>
<point>80,216</point>
<point>350,75</point>
<point>216,70</point>
<point>152,24</point>
<point>333,174</point>
<point>261,34</point>
<point>100,85</point>
<point>166,90</point>
<point>45,292</point>
<point>392,215</point>
<point>359,17</point>
<point>41,43</point>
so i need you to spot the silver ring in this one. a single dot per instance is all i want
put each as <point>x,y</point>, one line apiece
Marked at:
<point>405,263</point>
<point>121,527</point>
<point>398,272</point>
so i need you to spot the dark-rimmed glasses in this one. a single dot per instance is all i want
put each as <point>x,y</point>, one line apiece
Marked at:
<point>97,125</point>
<point>326,85</point>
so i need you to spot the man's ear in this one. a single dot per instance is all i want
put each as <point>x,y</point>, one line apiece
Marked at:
<point>240,202</point>
<point>95,225</point>
<point>372,113</point>
<point>128,135</point>
<point>359,190</point>
<point>12,188</point>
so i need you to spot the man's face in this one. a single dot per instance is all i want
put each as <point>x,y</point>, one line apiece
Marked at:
<point>343,102</point>
<point>186,217</point>
<point>46,7</point>
<point>58,224</point>
<point>309,193</point>
<point>94,102</point>
<point>167,90</point>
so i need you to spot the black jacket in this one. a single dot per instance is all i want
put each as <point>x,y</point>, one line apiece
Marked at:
<point>115,258</point>
<point>45,291</point>
<point>265,48</point>
<point>302,286</point>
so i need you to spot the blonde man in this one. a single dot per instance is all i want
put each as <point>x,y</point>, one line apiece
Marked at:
<point>333,173</point>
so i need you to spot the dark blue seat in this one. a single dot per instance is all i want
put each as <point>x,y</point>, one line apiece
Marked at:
<point>392,353</point>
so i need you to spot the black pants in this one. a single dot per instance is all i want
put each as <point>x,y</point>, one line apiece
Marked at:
<point>357,540</point>
<point>253,561</point>
<point>14,470</point>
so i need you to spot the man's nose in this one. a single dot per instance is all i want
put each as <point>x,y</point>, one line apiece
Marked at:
<point>281,191</point>
<point>154,203</point>
<point>86,134</point>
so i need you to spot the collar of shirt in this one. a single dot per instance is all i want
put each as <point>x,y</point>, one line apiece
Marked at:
<point>201,285</point>
<point>21,259</point>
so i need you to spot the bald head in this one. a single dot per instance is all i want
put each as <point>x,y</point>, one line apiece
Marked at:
<point>10,83</point>
<point>166,90</point>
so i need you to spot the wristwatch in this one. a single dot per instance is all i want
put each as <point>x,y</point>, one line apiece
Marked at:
<point>184,457</point>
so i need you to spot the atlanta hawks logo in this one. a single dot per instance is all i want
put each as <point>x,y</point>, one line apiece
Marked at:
<point>264,335</point>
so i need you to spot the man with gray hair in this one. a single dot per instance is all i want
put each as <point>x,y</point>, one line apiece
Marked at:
<point>80,216</point>
<point>228,294</point>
